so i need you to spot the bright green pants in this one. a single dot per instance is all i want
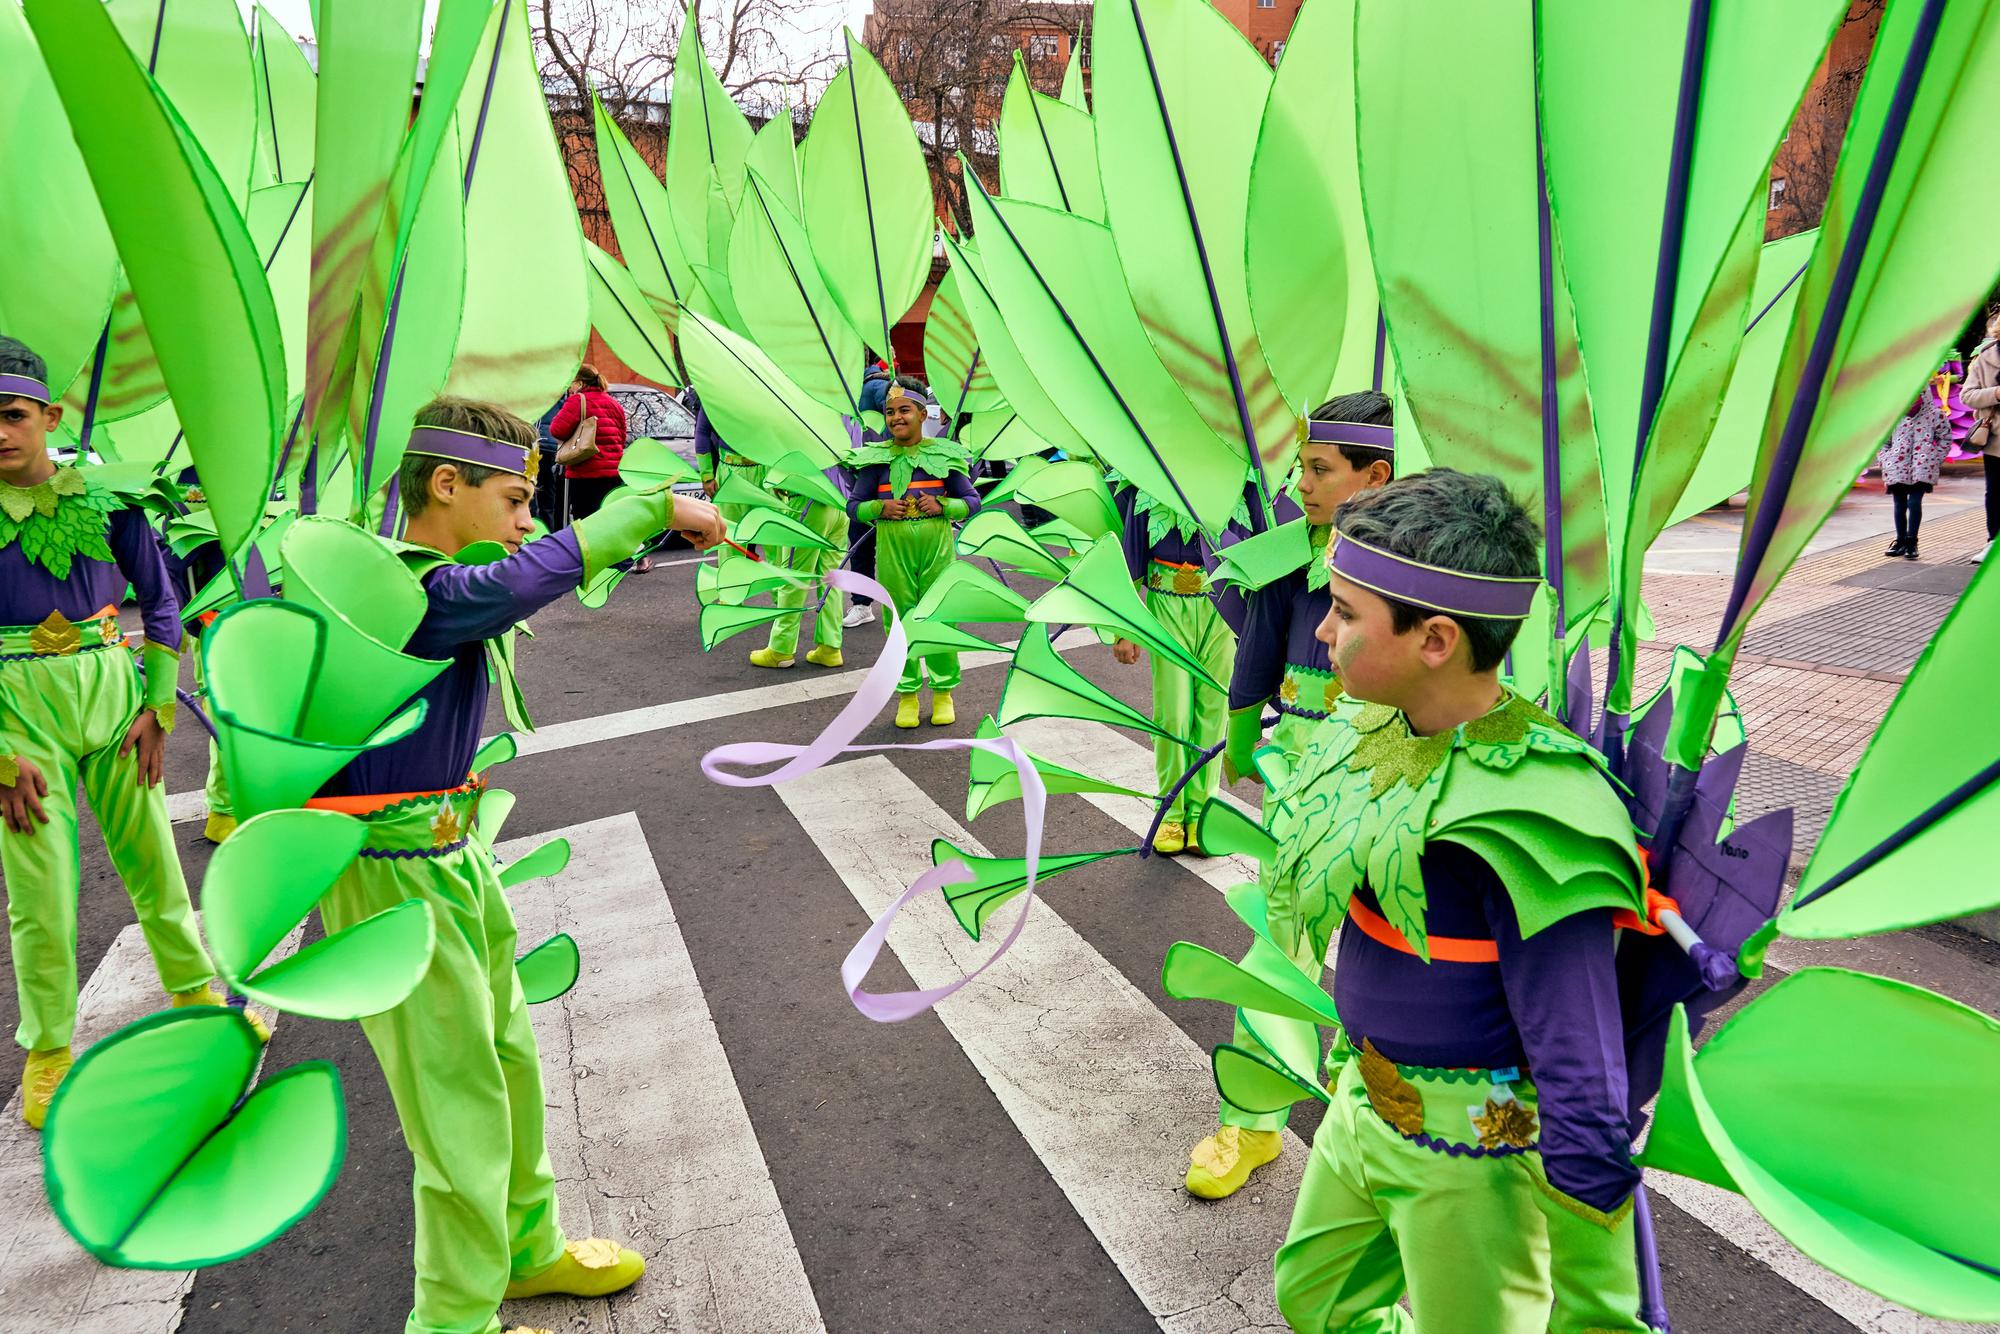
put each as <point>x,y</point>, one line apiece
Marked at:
<point>69,715</point>
<point>1185,707</point>
<point>733,514</point>
<point>462,1065</point>
<point>830,523</point>
<point>1479,1245</point>
<point>910,554</point>
<point>216,789</point>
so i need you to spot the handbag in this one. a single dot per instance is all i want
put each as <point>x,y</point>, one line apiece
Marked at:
<point>582,443</point>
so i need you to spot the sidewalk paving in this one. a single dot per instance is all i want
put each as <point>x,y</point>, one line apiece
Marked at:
<point>1827,653</point>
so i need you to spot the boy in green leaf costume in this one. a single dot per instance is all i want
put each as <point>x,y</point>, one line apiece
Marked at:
<point>72,709</point>
<point>459,1055</point>
<point>1475,1152</point>
<point>1348,447</point>
<point>913,490</point>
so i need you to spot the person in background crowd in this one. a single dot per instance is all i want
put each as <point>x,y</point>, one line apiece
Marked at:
<point>1982,394</point>
<point>1910,459</point>
<point>592,468</point>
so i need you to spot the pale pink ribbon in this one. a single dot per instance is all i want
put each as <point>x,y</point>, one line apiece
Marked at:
<point>838,739</point>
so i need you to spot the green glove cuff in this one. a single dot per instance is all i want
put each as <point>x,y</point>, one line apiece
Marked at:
<point>868,511</point>
<point>955,509</point>
<point>1245,734</point>
<point>163,672</point>
<point>620,527</point>
<point>10,767</point>
<point>1593,1265</point>
<point>706,462</point>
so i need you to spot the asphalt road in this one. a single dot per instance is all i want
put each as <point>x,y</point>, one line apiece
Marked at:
<point>921,1187</point>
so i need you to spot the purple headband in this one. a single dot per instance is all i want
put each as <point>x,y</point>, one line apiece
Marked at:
<point>1361,435</point>
<point>1454,592</point>
<point>24,386</point>
<point>481,451</point>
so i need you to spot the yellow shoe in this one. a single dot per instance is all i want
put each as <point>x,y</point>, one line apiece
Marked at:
<point>907,711</point>
<point>1194,848</point>
<point>41,1077</point>
<point>763,657</point>
<point>1171,839</point>
<point>208,995</point>
<point>219,826</point>
<point>942,713</point>
<point>594,1268</point>
<point>1220,1164</point>
<point>825,657</point>
<point>528,1329</point>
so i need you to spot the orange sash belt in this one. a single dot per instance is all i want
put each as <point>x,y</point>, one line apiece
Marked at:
<point>1450,949</point>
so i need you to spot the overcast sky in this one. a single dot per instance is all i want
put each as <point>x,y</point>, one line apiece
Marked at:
<point>813,17</point>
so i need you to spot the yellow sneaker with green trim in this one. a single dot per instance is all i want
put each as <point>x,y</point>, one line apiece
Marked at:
<point>40,1078</point>
<point>208,995</point>
<point>1220,1164</point>
<point>593,1268</point>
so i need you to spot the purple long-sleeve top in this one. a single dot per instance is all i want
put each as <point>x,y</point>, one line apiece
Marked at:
<point>28,592</point>
<point>1278,624</point>
<point>469,604</point>
<point>1549,1007</point>
<point>872,483</point>
<point>706,439</point>
<point>1139,550</point>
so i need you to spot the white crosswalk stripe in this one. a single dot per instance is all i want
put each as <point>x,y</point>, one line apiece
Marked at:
<point>648,1133</point>
<point>1106,1090</point>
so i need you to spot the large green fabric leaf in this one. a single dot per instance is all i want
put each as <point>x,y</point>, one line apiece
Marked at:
<point>705,148</point>
<point>1730,455</point>
<point>961,377</point>
<point>784,302</point>
<point>1754,64</point>
<point>49,249</point>
<point>755,406</point>
<point>371,604</point>
<point>1072,82</point>
<point>993,779</point>
<point>280,222</point>
<point>401,367</point>
<point>270,758</point>
<point>1000,436</point>
<point>163,1152</point>
<point>1074,491</point>
<point>966,593</point>
<point>1011,374</point>
<point>997,880</point>
<point>199,54</point>
<point>1055,279</point>
<point>1461,287</point>
<point>643,219</point>
<point>1048,151</point>
<point>264,882</point>
<point>1178,96</point>
<point>629,326</point>
<point>527,294</point>
<point>287,101</point>
<point>189,258</point>
<point>367,68</point>
<point>867,196</point>
<point>774,155</point>
<point>1928,784</point>
<point>996,535</point>
<point>1099,593</point>
<point>1041,685</point>
<point>1925,260</point>
<point>1873,1178</point>
<point>1312,289</point>
<point>413,296</point>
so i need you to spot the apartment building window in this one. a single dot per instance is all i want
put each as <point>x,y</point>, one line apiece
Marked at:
<point>1267,4</point>
<point>1277,51</point>
<point>1044,46</point>
<point>1777,194</point>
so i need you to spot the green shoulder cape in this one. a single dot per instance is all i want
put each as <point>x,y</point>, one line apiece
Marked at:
<point>1515,786</point>
<point>55,521</point>
<point>937,457</point>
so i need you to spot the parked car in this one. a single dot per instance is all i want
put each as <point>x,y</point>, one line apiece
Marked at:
<point>654,414</point>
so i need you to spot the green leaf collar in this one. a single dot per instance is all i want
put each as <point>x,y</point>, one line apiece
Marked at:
<point>58,520</point>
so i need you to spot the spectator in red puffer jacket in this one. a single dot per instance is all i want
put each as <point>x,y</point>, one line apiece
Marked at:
<point>591,479</point>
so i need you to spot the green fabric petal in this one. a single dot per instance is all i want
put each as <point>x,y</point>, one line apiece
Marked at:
<point>549,970</point>
<point>998,880</point>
